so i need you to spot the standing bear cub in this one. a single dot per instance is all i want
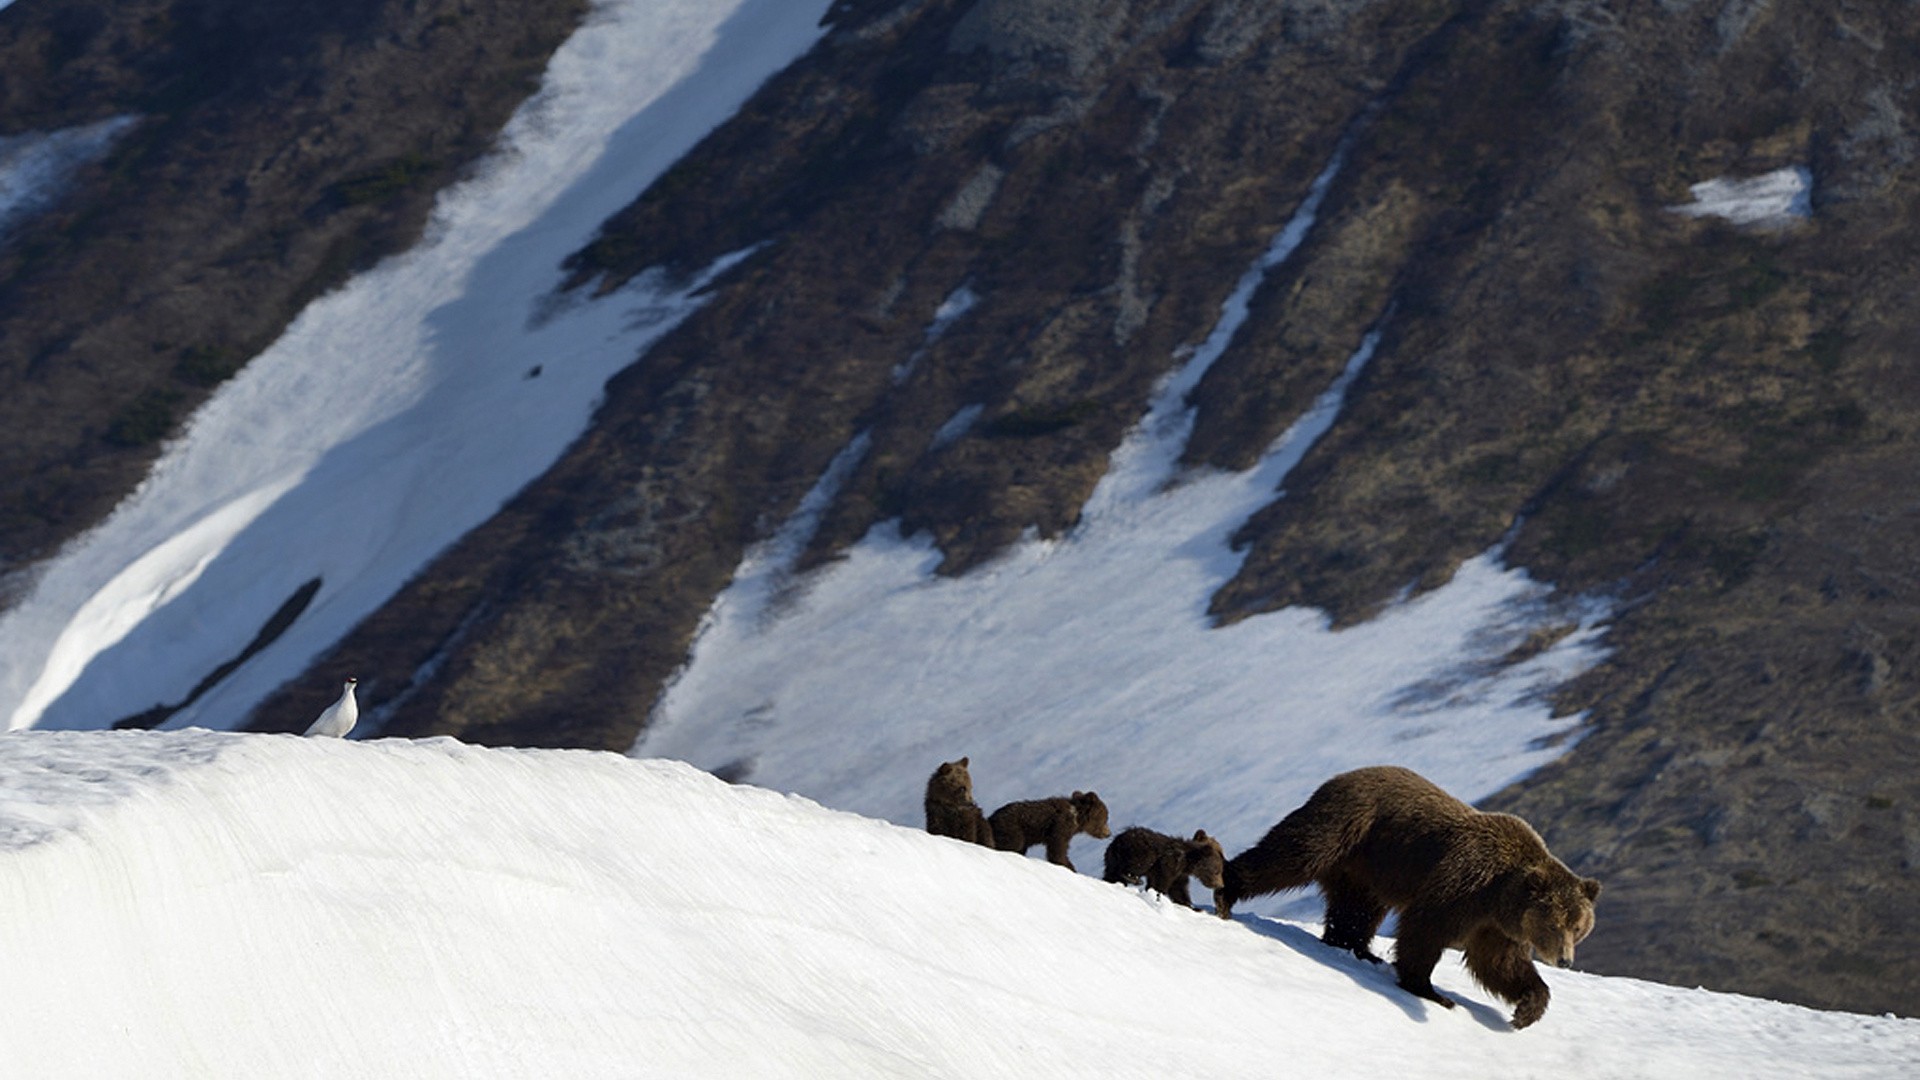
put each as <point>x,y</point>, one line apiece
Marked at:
<point>1018,826</point>
<point>951,810</point>
<point>1165,862</point>
<point>1385,838</point>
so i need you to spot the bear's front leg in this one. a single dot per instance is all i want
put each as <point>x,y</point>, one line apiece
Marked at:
<point>1505,967</point>
<point>1057,850</point>
<point>1416,954</point>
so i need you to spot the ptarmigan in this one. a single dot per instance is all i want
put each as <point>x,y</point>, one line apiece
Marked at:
<point>339,717</point>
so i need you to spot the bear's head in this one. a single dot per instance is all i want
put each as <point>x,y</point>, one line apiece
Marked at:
<point>953,781</point>
<point>1559,912</point>
<point>1206,861</point>
<point>1092,814</point>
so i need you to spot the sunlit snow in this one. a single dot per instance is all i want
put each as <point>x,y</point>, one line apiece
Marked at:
<point>1773,199</point>
<point>207,905</point>
<point>34,165</point>
<point>1089,662</point>
<point>401,411</point>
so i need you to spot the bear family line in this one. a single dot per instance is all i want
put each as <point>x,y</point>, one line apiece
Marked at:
<point>1375,840</point>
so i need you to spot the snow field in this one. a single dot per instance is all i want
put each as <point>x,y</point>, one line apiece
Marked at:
<point>255,905</point>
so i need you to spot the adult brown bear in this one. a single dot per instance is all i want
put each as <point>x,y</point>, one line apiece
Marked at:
<point>1386,839</point>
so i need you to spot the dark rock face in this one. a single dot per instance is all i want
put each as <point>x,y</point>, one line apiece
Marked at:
<point>1712,423</point>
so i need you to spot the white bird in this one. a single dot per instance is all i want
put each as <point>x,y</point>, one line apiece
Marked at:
<point>339,717</point>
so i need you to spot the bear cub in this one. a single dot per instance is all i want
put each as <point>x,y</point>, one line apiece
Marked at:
<point>1386,839</point>
<point>1018,826</point>
<point>951,810</point>
<point>1165,862</point>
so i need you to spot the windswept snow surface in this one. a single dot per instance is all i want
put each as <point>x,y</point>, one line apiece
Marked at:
<point>1774,199</point>
<point>209,905</point>
<point>1089,662</point>
<point>401,411</point>
<point>34,165</point>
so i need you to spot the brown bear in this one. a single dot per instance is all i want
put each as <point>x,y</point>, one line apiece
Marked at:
<point>1385,838</point>
<point>1165,862</point>
<point>951,810</point>
<point>1018,826</point>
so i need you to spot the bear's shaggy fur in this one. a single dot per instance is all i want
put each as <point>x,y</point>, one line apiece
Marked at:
<point>1165,862</point>
<point>1018,826</point>
<point>951,810</point>
<point>1385,838</point>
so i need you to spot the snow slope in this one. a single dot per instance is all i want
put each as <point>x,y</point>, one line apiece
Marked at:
<point>201,904</point>
<point>401,411</point>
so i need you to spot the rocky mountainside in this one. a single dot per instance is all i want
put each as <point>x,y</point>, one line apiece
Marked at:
<point>1711,423</point>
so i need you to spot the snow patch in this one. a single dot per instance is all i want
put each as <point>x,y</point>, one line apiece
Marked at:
<point>35,165</point>
<point>1772,200</point>
<point>958,303</point>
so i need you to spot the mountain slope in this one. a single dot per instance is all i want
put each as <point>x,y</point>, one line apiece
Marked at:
<point>974,235</point>
<point>1708,421</point>
<point>264,905</point>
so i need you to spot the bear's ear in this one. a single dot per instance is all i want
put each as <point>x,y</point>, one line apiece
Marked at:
<point>963,763</point>
<point>1591,888</point>
<point>1079,795</point>
<point>1200,837</point>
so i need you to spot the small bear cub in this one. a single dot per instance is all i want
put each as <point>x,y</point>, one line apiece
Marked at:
<point>1165,862</point>
<point>1018,826</point>
<point>951,810</point>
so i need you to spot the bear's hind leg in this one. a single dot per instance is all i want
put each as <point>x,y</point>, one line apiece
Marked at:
<point>1353,917</point>
<point>1503,966</point>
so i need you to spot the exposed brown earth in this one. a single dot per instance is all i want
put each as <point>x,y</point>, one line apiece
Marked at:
<point>1714,426</point>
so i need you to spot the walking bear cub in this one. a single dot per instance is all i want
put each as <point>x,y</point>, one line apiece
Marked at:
<point>1383,839</point>
<point>1165,862</point>
<point>951,810</point>
<point>1018,826</point>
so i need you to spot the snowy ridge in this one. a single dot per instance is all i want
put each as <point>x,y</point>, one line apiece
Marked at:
<point>257,905</point>
<point>371,435</point>
<point>1089,662</point>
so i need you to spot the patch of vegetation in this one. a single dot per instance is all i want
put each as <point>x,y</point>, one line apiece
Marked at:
<point>1493,468</point>
<point>1753,283</point>
<point>1733,559</point>
<point>207,366</point>
<point>1577,529</point>
<point>1827,348</point>
<point>1037,420</point>
<point>145,421</point>
<point>385,181</point>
